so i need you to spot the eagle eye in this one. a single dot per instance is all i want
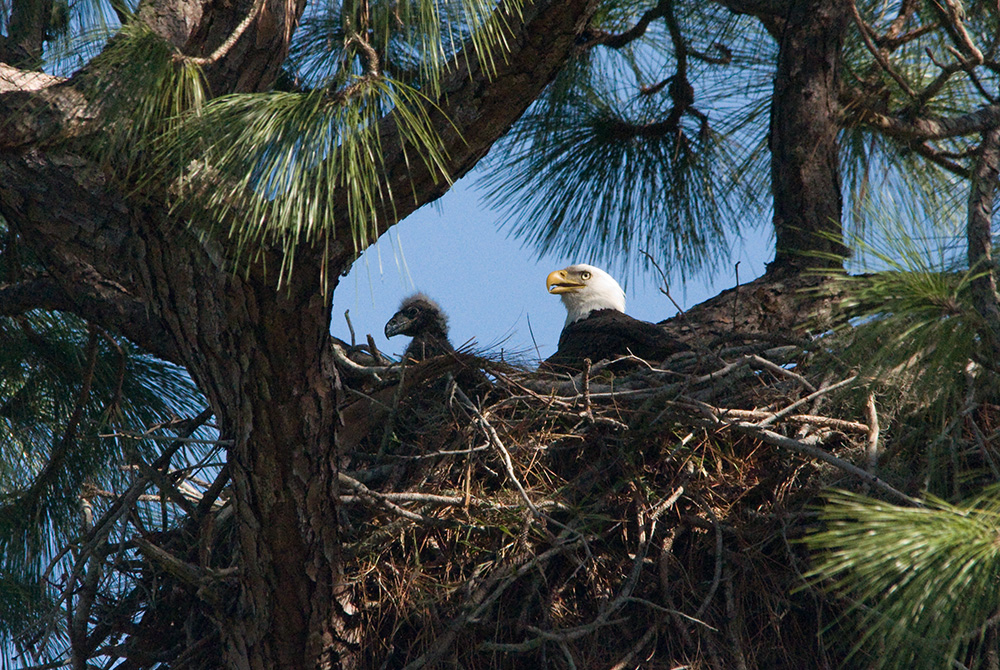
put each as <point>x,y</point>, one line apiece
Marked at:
<point>585,275</point>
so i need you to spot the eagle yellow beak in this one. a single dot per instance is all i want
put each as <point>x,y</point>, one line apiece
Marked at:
<point>558,281</point>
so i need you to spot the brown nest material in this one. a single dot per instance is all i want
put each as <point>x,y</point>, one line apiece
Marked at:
<point>607,520</point>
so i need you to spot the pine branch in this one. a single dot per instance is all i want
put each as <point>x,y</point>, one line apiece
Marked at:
<point>39,293</point>
<point>619,40</point>
<point>930,127</point>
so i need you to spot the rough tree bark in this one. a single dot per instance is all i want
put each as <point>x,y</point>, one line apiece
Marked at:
<point>259,353</point>
<point>979,232</point>
<point>805,161</point>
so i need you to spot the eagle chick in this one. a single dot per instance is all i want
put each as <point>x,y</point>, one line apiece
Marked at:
<point>422,319</point>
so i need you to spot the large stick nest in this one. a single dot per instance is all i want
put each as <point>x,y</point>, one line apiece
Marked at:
<point>604,520</point>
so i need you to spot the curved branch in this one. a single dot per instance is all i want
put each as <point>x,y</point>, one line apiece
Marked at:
<point>868,35</point>
<point>476,107</point>
<point>43,293</point>
<point>81,237</point>
<point>933,127</point>
<point>619,40</point>
<point>97,302</point>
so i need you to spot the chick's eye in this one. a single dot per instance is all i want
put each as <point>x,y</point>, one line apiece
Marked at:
<point>585,274</point>
<point>410,313</point>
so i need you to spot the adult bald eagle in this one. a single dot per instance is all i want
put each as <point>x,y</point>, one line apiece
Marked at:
<point>422,319</point>
<point>596,324</point>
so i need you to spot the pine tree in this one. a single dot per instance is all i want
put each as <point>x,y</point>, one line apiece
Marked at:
<point>198,186</point>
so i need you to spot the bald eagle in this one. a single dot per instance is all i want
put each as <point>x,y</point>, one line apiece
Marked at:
<point>596,324</point>
<point>422,319</point>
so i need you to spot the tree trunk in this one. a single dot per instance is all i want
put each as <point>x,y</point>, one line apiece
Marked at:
<point>805,161</point>
<point>982,192</point>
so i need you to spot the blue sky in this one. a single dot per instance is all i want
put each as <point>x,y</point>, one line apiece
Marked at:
<point>490,285</point>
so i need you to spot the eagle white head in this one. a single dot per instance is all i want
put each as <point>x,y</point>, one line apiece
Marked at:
<point>584,289</point>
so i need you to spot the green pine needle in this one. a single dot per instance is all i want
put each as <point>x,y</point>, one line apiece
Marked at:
<point>276,163</point>
<point>923,581</point>
<point>42,365</point>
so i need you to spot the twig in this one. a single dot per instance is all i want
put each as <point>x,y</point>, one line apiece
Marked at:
<point>665,289</point>
<point>871,448</point>
<point>732,623</point>
<point>350,326</point>
<point>342,359</point>
<point>534,343</point>
<point>483,600</point>
<point>602,619</point>
<point>629,658</point>
<point>809,398</point>
<point>866,35</point>
<point>224,48</point>
<point>86,595</point>
<point>116,399</point>
<point>717,576</point>
<point>123,504</point>
<point>385,502</point>
<point>670,611</point>
<point>784,372</point>
<point>197,577</point>
<point>587,413</point>
<point>815,419</point>
<point>568,655</point>
<point>808,448</point>
<point>167,438</point>
<point>981,441</point>
<point>955,12</point>
<point>212,493</point>
<point>439,454</point>
<point>373,350</point>
<point>495,440</point>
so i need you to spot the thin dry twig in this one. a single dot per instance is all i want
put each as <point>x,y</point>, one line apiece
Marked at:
<point>373,372</point>
<point>384,500</point>
<point>717,575</point>
<point>871,447</point>
<point>809,398</point>
<point>783,372</point>
<point>809,448</point>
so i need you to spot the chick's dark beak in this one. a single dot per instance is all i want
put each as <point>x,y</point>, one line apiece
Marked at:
<point>397,325</point>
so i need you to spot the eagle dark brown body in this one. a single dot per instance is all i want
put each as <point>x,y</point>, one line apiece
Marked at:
<point>608,333</point>
<point>596,324</point>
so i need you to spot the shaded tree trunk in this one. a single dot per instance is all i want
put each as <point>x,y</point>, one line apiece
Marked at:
<point>982,192</point>
<point>805,161</point>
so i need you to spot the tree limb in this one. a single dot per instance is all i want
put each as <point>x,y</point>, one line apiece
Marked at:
<point>476,107</point>
<point>96,301</point>
<point>933,127</point>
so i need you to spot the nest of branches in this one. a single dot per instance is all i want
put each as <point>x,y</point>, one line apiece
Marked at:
<point>631,515</point>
